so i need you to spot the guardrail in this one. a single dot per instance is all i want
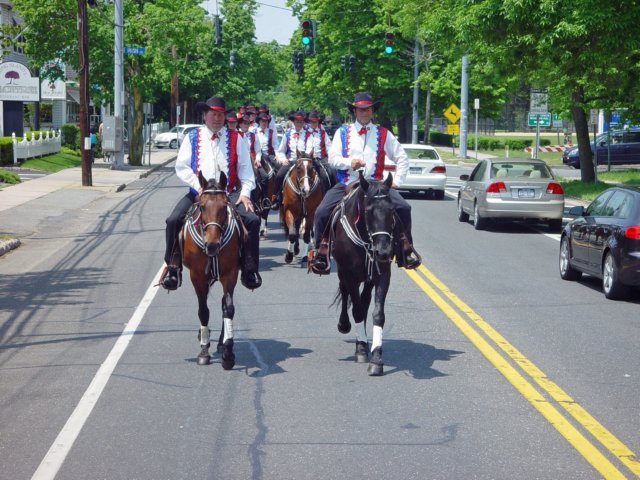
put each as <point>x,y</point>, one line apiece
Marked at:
<point>25,149</point>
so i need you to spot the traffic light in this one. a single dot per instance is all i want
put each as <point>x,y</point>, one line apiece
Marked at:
<point>232,59</point>
<point>343,62</point>
<point>297,60</point>
<point>388,43</point>
<point>217,29</point>
<point>352,64</point>
<point>308,36</point>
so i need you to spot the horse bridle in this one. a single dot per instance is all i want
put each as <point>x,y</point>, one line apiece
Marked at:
<point>222,227</point>
<point>382,232</point>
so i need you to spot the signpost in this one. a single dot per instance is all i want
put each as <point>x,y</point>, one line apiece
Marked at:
<point>453,115</point>
<point>134,50</point>
<point>539,106</point>
<point>536,119</point>
<point>593,120</point>
<point>476,106</point>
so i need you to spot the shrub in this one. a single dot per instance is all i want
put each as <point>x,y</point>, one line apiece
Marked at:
<point>6,150</point>
<point>70,136</point>
<point>441,139</point>
<point>9,177</point>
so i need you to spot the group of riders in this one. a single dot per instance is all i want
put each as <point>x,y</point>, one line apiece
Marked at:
<point>245,147</point>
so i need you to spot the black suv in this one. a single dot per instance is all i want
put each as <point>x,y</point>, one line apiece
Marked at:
<point>624,149</point>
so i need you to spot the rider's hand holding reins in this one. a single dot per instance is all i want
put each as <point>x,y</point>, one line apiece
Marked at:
<point>246,201</point>
<point>357,163</point>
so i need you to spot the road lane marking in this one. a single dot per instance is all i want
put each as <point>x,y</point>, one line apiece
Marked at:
<point>526,389</point>
<point>61,446</point>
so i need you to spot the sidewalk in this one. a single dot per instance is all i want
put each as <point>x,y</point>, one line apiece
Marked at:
<point>104,180</point>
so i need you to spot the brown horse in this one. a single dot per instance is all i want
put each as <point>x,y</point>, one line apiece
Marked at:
<point>301,195</point>
<point>211,246</point>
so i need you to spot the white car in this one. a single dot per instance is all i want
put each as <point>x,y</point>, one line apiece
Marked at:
<point>427,172</point>
<point>173,137</point>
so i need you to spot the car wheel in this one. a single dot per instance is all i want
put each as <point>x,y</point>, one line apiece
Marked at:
<point>462,215</point>
<point>438,194</point>
<point>479,223</point>
<point>173,144</point>
<point>611,285</point>
<point>567,272</point>
<point>555,225</point>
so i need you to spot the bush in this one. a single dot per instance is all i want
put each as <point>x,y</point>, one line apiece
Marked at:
<point>441,139</point>
<point>70,136</point>
<point>6,150</point>
<point>9,177</point>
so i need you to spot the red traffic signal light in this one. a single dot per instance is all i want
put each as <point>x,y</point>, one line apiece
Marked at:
<point>307,32</point>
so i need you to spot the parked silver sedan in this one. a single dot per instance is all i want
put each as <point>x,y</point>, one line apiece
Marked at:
<point>511,188</point>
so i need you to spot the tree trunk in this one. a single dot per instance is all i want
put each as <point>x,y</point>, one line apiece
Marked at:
<point>173,120</point>
<point>582,133</point>
<point>136,142</point>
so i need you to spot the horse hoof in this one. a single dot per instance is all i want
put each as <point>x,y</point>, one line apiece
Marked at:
<point>344,327</point>
<point>304,262</point>
<point>220,348</point>
<point>204,359</point>
<point>288,258</point>
<point>228,362</point>
<point>375,370</point>
<point>362,353</point>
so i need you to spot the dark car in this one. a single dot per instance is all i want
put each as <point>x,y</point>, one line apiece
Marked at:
<point>604,241</point>
<point>623,148</point>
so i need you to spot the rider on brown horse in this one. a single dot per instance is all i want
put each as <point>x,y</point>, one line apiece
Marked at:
<point>363,145</point>
<point>212,149</point>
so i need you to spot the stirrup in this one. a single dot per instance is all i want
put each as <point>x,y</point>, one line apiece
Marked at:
<point>171,278</point>
<point>321,264</point>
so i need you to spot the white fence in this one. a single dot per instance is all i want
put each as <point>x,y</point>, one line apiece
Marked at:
<point>36,147</point>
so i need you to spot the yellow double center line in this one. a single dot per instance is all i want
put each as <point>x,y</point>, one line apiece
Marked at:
<point>524,386</point>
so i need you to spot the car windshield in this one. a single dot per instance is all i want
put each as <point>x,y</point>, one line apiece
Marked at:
<point>531,170</point>
<point>418,153</point>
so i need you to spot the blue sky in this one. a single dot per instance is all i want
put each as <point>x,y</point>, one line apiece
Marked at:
<point>273,20</point>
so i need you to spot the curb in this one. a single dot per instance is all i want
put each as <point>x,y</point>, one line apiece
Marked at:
<point>8,245</point>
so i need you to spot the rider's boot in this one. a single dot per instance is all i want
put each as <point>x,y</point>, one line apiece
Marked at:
<point>172,275</point>
<point>406,255</point>
<point>321,264</point>
<point>250,277</point>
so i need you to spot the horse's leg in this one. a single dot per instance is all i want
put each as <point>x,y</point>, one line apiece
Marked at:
<point>306,238</point>
<point>344,325</point>
<point>296,246</point>
<point>202,289</point>
<point>228,311</point>
<point>292,234</point>
<point>382,287</point>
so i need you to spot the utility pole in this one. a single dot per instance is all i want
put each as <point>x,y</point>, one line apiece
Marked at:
<point>83,47</point>
<point>464,107</point>
<point>414,105</point>
<point>118,77</point>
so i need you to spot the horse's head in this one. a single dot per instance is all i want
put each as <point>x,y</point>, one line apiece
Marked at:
<point>379,216</point>
<point>214,212</point>
<point>304,174</point>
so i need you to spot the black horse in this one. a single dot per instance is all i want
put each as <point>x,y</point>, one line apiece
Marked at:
<point>363,251</point>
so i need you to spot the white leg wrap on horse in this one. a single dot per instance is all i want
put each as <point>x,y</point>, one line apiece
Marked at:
<point>361,332</point>
<point>291,246</point>
<point>228,329</point>
<point>377,337</point>
<point>304,250</point>
<point>204,335</point>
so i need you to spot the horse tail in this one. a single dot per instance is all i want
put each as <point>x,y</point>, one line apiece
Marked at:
<point>338,298</point>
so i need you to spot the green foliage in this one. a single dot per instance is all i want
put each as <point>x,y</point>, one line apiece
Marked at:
<point>70,134</point>
<point>6,150</point>
<point>442,139</point>
<point>9,177</point>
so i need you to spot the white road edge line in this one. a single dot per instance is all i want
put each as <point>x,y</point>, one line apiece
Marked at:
<point>61,446</point>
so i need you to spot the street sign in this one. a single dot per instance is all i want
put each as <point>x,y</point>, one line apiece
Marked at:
<point>545,119</point>
<point>557,121</point>
<point>594,113</point>
<point>476,104</point>
<point>453,129</point>
<point>134,50</point>
<point>452,113</point>
<point>539,101</point>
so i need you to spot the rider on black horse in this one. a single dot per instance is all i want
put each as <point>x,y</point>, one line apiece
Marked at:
<point>363,145</point>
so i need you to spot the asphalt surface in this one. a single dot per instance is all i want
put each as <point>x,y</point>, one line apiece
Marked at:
<point>62,192</point>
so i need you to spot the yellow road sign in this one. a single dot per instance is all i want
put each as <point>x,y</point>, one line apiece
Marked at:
<point>452,113</point>
<point>453,129</point>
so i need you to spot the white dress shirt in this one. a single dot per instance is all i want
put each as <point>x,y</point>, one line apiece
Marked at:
<point>365,147</point>
<point>297,142</point>
<point>314,143</point>
<point>213,160</point>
